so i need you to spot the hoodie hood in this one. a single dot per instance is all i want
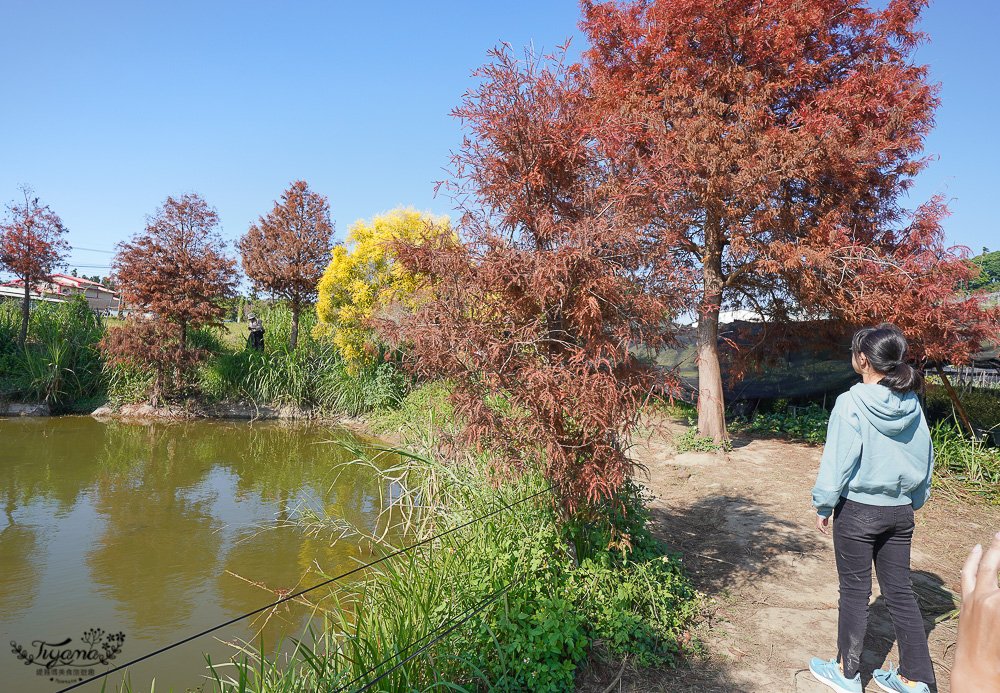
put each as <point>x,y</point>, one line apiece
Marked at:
<point>889,412</point>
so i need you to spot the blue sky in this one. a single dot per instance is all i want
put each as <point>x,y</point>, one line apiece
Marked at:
<point>108,107</point>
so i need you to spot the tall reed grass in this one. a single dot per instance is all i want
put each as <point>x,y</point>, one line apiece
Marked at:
<point>59,362</point>
<point>307,377</point>
<point>965,466</point>
<point>313,375</point>
<point>10,325</point>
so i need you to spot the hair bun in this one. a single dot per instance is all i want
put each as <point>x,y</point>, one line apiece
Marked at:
<point>885,347</point>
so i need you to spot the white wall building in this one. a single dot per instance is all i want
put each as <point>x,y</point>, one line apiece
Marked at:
<point>60,287</point>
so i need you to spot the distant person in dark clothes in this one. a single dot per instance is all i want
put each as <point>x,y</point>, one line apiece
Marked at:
<point>256,328</point>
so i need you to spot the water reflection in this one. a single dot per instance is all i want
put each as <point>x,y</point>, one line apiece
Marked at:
<point>142,527</point>
<point>22,548</point>
<point>159,538</point>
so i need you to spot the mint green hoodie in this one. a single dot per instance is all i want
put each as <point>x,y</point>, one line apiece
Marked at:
<point>878,451</point>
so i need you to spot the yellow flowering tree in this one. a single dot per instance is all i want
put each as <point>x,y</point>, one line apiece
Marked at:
<point>363,276</point>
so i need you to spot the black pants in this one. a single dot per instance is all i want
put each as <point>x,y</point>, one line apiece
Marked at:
<point>863,533</point>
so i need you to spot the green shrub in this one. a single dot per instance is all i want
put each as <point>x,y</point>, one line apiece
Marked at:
<point>62,365</point>
<point>313,376</point>
<point>776,405</point>
<point>266,377</point>
<point>638,610</point>
<point>47,371</point>
<point>633,594</point>
<point>128,385</point>
<point>424,408</point>
<point>11,369</point>
<point>981,404</point>
<point>376,386</point>
<point>614,527</point>
<point>807,423</point>
<point>10,326</point>
<point>539,642</point>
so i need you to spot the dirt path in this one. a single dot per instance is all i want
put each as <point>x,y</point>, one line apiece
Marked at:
<point>747,531</point>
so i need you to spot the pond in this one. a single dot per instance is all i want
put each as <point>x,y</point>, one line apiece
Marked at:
<point>160,531</point>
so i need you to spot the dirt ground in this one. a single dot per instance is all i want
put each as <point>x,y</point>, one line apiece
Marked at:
<point>746,529</point>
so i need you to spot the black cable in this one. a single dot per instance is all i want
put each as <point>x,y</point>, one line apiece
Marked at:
<point>299,594</point>
<point>472,610</point>
<point>482,605</point>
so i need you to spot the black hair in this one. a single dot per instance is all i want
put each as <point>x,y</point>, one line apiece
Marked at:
<point>885,348</point>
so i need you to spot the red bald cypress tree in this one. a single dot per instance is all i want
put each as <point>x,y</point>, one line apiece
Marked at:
<point>774,140</point>
<point>534,314</point>
<point>174,276</point>
<point>178,270</point>
<point>286,252</point>
<point>145,341</point>
<point>31,245</point>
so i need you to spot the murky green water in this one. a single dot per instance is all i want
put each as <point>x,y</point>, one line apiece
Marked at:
<point>143,528</point>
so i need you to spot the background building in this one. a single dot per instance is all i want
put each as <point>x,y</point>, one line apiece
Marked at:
<point>60,287</point>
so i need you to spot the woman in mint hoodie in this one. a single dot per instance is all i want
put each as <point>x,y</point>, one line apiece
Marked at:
<point>875,471</point>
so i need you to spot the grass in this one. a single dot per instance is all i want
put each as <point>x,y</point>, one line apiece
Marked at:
<point>552,614</point>
<point>313,375</point>
<point>967,468</point>
<point>672,409</point>
<point>421,417</point>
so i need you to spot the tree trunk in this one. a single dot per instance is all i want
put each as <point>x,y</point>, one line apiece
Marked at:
<point>956,401</point>
<point>293,339</point>
<point>711,401</point>
<point>183,348</point>
<point>25,314</point>
<point>156,396</point>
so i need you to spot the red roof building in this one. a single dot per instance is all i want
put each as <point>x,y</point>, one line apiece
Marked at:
<point>61,286</point>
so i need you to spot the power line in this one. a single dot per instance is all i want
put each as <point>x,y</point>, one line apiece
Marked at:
<point>301,592</point>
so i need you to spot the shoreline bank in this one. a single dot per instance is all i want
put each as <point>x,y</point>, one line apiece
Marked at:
<point>184,411</point>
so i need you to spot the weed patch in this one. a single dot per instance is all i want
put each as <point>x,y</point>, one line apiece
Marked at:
<point>807,424</point>
<point>690,441</point>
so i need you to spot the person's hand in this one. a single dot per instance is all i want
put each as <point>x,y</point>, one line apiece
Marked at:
<point>823,524</point>
<point>977,657</point>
